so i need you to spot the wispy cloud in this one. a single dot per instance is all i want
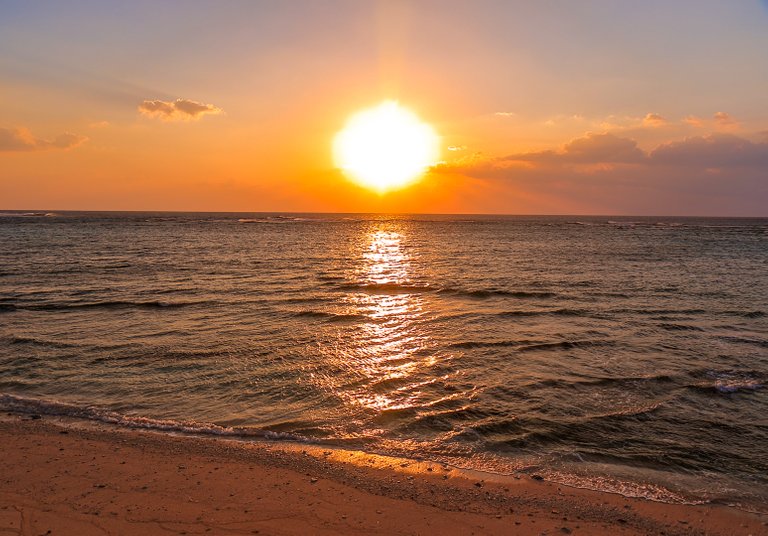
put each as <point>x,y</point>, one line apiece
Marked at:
<point>178,110</point>
<point>22,140</point>
<point>651,121</point>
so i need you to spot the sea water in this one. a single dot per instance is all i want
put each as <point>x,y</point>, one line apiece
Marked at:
<point>623,354</point>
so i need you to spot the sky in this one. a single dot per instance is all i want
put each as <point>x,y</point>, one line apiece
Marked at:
<point>547,107</point>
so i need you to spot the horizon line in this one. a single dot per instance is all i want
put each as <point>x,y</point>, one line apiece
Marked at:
<point>552,215</point>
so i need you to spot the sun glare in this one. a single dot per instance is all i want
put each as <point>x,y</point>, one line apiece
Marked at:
<point>386,147</point>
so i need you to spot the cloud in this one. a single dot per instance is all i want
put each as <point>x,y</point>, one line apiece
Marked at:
<point>654,120</point>
<point>719,150</point>
<point>694,121</point>
<point>505,114</point>
<point>561,119</point>
<point>723,119</point>
<point>589,149</point>
<point>652,125</point>
<point>178,110</point>
<point>713,151</point>
<point>614,158</point>
<point>22,140</point>
<point>603,148</point>
<point>717,174</point>
<point>457,147</point>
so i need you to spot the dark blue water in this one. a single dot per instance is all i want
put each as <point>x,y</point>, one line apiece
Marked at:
<point>627,354</point>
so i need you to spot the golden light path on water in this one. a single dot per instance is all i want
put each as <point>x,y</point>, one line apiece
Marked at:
<point>387,359</point>
<point>390,342</point>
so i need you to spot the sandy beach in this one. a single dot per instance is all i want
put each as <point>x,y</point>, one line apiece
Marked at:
<point>81,480</point>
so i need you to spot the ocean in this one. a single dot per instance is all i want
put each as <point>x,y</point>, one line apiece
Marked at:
<point>626,354</point>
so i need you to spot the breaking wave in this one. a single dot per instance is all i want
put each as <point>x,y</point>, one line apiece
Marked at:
<point>37,406</point>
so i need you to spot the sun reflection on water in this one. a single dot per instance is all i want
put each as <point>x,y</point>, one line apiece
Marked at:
<point>389,349</point>
<point>385,260</point>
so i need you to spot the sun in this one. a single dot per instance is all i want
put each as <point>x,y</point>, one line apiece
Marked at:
<point>386,147</point>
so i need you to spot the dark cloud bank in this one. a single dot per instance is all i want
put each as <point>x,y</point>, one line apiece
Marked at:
<point>717,174</point>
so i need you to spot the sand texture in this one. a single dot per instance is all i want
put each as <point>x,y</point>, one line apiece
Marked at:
<point>81,480</point>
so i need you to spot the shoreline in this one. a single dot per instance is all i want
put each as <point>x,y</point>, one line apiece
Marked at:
<point>604,481</point>
<point>97,479</point>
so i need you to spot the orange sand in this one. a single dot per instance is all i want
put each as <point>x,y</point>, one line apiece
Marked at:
<point>85,480</point>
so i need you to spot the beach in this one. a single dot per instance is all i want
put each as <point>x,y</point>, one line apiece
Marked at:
<point>66,478</point>
<point>383,268</point>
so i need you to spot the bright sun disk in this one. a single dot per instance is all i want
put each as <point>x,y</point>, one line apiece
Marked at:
<point>386,147</point>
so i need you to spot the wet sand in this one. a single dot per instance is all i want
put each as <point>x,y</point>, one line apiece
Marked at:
<point>80,480</point>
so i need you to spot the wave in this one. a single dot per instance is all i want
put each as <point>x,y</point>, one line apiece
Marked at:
<point>490,293</point>
<point>599,381</point>
<point>530,346</point>
<point>761,343</point>
<point>546,312</point>
<point>330,277</point>
<point>666,313</point>
<point>27,214</point>
<point>724,386</point>
<point>728,381</point>
<point>331,317</point>
<point>304,299</point>
<point>273,219</point>
<point>713,382</point>
<point>406,288</point>
<point>522,431</point>
<point>661,311</point>
<point>34,341</point>
<point>625,488</point>
<point>565,345</point>
<point>647,223</point>
<point>385,288</point>
<point>679,327</point>
<point>466,345</point>
<point>37,406</point>
<point>116,304</point>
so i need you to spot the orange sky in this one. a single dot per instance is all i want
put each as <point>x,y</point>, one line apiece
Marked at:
<point>604,108</point>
